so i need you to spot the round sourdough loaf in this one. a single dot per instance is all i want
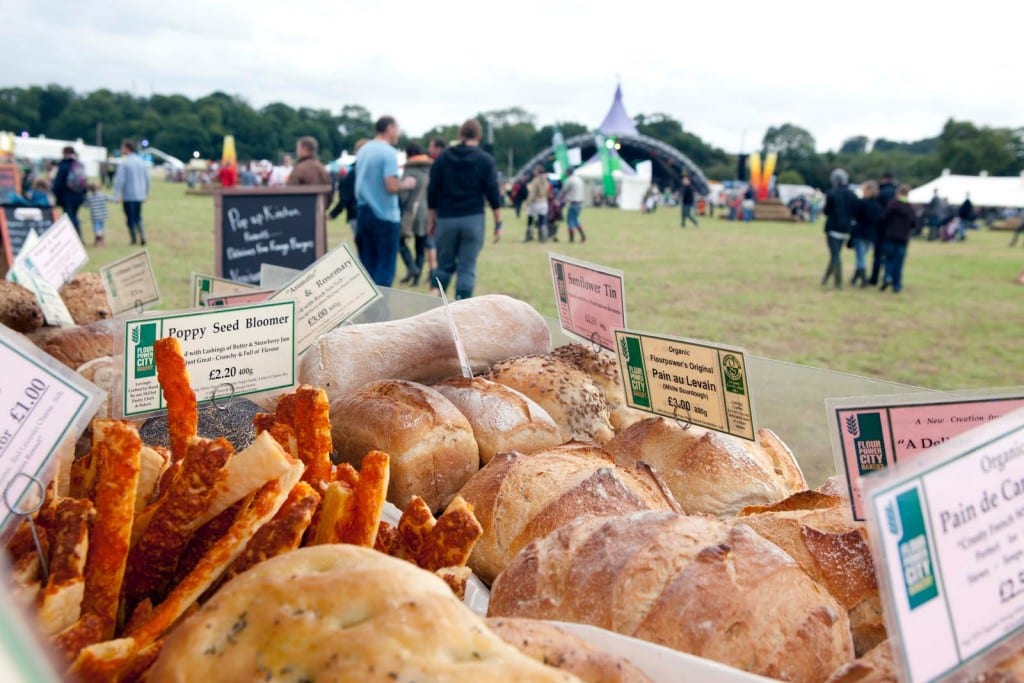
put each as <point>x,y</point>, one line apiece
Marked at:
<point>563,390</point>
<point>431,444</point>
<point>517,498</point>
<point>708,472</point>
<point>691,583</point>
<point>502,418</point>
<point>340,613</point>
<point>603,370</point>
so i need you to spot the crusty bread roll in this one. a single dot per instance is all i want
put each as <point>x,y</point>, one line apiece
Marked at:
<point>339,613</point>
<point>708,472</point>
<point>431,444</point>
<point>19,309</point>
<point>502,418</point>
<point>420,348</point>
<point>875,666</point>
<point>85,298</point>
<point>75,346</point>
<point>104,372</point>
<point>556,647</point>
<point>603,370</point>
<point>517,498</point>
<point>818,532</point>
<point>564,391</point>
<point>691,583</point>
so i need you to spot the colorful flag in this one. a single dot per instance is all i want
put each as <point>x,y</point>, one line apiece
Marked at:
<point>561,153</point>
<point>229,158</point>
<point>604,153</point>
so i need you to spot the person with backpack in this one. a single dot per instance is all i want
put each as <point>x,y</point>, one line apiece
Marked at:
<point>840,210</point>
<point>69,185</point>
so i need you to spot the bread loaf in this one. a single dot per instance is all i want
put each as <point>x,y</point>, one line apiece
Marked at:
<point>556,647</point>
<point>19,309</point>
<point>517,498</point>
<point>564,391</point>
<point>431,444</point>
<point>603,370</point>
<point>708,472</point>
<point>75,346</point>
<point>819,533</point>
<point>691,583</point>
<point>421,348</point>
<point>104,372</point>
<point>502,418</point>
<point>340,613</point>
<point>875,666</point>
<point>85,298</point>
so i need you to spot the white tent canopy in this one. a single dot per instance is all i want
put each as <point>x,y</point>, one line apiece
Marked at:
<point>985,191</point>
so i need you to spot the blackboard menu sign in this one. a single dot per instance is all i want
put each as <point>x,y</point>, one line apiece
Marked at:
<point>16,221</point>
<point>282,226</point>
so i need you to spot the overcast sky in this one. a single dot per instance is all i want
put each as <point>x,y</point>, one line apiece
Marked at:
<point>727,70</point>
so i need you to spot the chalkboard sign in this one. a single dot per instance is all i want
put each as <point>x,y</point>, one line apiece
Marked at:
<point>16,221</point>
<point>282,226</point>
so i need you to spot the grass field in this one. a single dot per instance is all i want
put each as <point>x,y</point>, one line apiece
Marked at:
<point>957,324</point>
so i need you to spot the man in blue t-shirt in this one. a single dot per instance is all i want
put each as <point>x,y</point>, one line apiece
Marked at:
<point>378,217</point>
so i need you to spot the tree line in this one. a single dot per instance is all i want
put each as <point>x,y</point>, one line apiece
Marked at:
<point>181,126</point>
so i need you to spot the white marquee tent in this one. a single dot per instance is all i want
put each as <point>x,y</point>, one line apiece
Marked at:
<point>986,191</point>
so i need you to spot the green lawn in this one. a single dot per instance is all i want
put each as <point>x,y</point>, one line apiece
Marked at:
<point>957,324</point>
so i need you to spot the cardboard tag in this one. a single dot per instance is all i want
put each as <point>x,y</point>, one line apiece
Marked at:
<point>692,381</point>
<point>328,293</point>
<point>947,532</point>
<point>56,256</point>
<point>130,283</point>
<point>460,350</point>
<point>42,405</point>
<point>204,286</point>
<point>275,277</point>
<point>229,352</point>
<point>590,299</point>
<point>873,432</point>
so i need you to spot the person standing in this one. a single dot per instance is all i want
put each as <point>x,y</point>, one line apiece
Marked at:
<point>461,179</point>
<point>573,194</point>
<point>886,193</point>
<point>865,230</point>
<point>279,174</point>
<point>308,170</point>
<point>69,186</point>
<point>537,191</point>
<point>413,204</point>
<point>131,186</point>
<point>377,188</point>
<point>347,193</point>
<point>840,208</point>
<point>897,223</point>
<point>933,215</point>
<point>966,215</point>
<point>98,212</point>
<point>688,199</point>
<point>434,149</point>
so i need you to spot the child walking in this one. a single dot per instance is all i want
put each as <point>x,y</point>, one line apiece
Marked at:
<point>98,211</point>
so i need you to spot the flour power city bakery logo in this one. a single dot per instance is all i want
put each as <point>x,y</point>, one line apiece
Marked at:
<point>144,337</point>
<point>733,371</point>
<point>633,354</point>
<point>906,520</point>
<point>866,430</point>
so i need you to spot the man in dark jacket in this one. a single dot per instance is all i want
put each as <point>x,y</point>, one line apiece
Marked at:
<point>886,193</point>
<point>966,215</point>
<point>689,198</point>
<point>461,178</point>
<point>67,197</point>
<point>308,170</point>
<point>347,193</point>
<point>840,209</point>
<point>897,224</point>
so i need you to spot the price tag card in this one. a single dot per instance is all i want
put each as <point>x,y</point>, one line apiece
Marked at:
<point>56,255</point>
<point>947,532</point>
<point>276,277</point>
<point>204,286</point>
<point>692,381</point>
<point>130,283</point>
<point>236,299</point>
<point>326,294</point>
<point>228,351</point>
<point>591,299</point>
<point>873,432</point>
<point>53,307</point>
<point>42,404</point>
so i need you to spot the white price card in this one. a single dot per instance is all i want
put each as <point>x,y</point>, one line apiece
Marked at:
<point>204,286</point>
<point>229,352</point>
<point>130,283</point>
<point>56,255</point>
<point>275,277</point>
<point>948,533</point>
<point>54,309</point>
<point>42,404</point>
<point>329,292</point>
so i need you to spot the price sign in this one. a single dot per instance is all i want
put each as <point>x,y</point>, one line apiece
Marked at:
<point>327,294</point>
<point>53,307</point>
<point>691,381</point>
<point>275,277</point>
<point>871,433</point>
<point>56,255</point>
<point>204,286</point>
<point>948,534</point>
<point>228,351</point>
<point>130,283</point>
<point>591,299</point>
<point>42,404</point>
<point>236,299</point>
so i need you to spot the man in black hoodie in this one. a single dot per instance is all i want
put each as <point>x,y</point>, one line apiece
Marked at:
<point>886,193</point>
<point>461,178</point>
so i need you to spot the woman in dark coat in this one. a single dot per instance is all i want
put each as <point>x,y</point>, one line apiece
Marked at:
<point>865,231</point>
<point>840,207</point>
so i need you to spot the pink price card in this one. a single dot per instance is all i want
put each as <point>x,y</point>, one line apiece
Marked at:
<point>590,299</point>
<point>868,436</point>
<point>239,299</point>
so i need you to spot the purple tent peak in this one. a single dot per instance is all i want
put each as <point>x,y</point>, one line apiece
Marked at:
<point>617,121</point>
